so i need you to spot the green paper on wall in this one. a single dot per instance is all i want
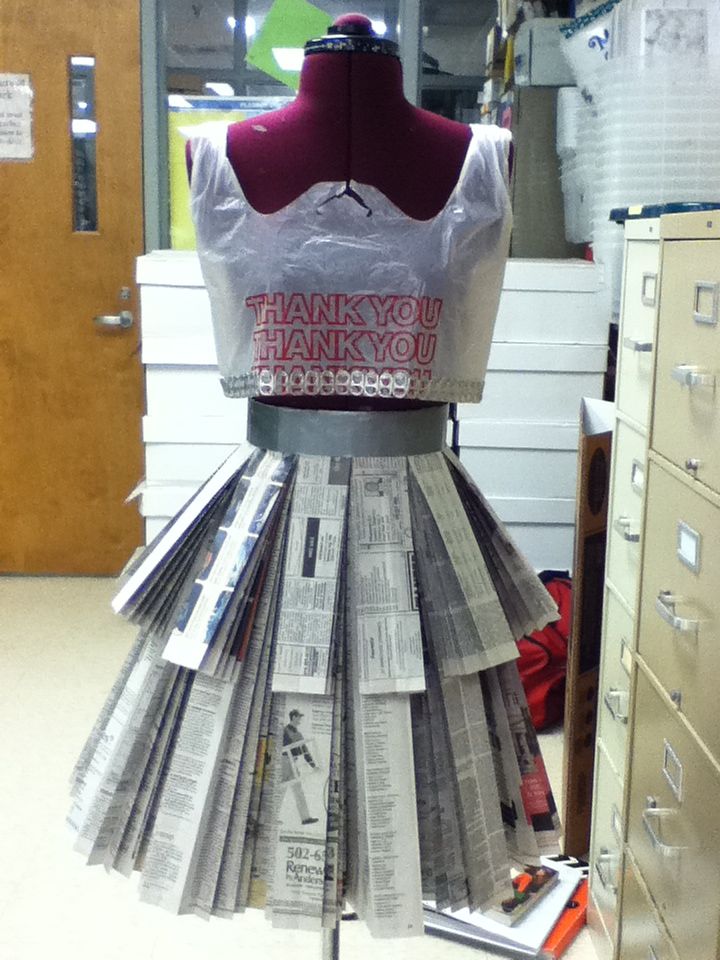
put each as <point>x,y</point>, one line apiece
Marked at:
<point>288,25</point>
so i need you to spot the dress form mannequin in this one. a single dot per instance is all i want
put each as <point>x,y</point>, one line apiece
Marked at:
<point>350,121</point>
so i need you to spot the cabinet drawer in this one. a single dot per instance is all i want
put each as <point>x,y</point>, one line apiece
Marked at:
<point>679,629</point>
<point>673,829</point>
<point>642,936</point>
<point>628,482</point>
<point>686,416</point>
<point>606,843</point>
<point>615,680</point>
<point>635,359</point>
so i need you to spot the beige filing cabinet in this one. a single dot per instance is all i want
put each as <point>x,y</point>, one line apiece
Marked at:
<point>665,881</point>
<point>627,485</point>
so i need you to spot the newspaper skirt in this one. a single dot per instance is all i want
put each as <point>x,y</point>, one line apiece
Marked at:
<point>322,706</point>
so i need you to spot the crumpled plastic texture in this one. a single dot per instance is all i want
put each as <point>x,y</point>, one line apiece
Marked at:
<point>322,299</point>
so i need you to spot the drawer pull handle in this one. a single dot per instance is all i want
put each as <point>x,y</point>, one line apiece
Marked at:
<point>648,280</point>
<point>623,526</point>
<point>651,954</point>
<point>605,863</point>
<point>665,606</point>
<point>690,376</point>
<point>638,346</point>
<point>656,815</point>
<point>706,286</point>
<point>617,703</point>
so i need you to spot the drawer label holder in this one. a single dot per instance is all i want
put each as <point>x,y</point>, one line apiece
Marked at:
<point>688,546</point>
<point>673,770</point>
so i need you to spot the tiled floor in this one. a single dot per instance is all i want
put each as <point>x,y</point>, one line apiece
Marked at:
<point>60,647</point>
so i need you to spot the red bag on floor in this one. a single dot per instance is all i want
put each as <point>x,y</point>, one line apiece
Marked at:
<point>543,659</point>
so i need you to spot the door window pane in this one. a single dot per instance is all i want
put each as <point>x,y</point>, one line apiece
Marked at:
<point>83,132</point>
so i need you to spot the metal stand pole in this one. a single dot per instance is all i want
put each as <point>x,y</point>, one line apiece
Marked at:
<point>331,943</point>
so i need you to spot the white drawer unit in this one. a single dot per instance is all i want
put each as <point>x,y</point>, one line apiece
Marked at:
<point>607,841</point>
<point>641,289</point>
<point>623,567</point>
<point>614,688</point>
<point>625,514</point>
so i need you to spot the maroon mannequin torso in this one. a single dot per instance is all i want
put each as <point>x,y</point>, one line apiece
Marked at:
<point>350,121</point>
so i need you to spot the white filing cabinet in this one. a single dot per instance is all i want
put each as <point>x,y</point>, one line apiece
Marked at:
<point>549,350</point>
<point>622,571</point>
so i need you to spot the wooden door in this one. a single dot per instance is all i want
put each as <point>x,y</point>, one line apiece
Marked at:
<point>71,393</point>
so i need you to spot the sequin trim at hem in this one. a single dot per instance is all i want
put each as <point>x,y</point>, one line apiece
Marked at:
<point>396,385</point>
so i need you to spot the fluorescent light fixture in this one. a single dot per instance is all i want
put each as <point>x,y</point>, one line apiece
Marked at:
<point>82,61</point>
<point>84,126</point>
<point>379,27</point>
<point>289,58</point>
<point>177,100</point>
<point>219,89</point>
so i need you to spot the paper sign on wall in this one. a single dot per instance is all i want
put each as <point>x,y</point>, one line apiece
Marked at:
<point>16,96</point>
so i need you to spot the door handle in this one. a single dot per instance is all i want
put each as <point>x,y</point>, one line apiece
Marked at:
<point>639,346</point>
<point>623,526</point>
<point>652,815</point>
<point>606,863</point>
<point>118,321</point>
<point>665,606</point>
<point>691,376</point>
<point>616,702</point>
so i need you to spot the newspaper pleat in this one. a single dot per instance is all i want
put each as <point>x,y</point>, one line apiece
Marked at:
<point>387,880</point>
<point>123,853</point>
<point>522,844</point>
<point>255,883</point>
<point>333,879</point>
<point>140,738</point>
<point>234,545</point>
<point>183,810</point>
<point>315,545</point>
<point>449,856</point>
<point>426,792</point>
<point>229,866</point>
<point>303,747</point>
<point>527,604</point>
<point>130,722</point>
<point>161,598</point>
<point>537,796</point>
<point>491,642</point>
<point>91,744</point>
<point>481,823</point>
<point>240,744</point>
<point>149,566</point>
<point>382,569</point>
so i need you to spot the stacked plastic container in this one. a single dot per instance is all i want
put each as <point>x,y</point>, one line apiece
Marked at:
<point>649,123</point>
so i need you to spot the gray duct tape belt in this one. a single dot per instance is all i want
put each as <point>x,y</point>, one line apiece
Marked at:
<point>347,433</point>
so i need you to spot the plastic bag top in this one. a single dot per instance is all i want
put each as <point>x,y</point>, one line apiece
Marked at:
<point>322,299</point>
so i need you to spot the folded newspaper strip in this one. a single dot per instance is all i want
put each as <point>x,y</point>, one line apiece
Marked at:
<point>322,706</point>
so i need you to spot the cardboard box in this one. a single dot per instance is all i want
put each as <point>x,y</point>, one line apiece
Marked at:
<point>581,698</point>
